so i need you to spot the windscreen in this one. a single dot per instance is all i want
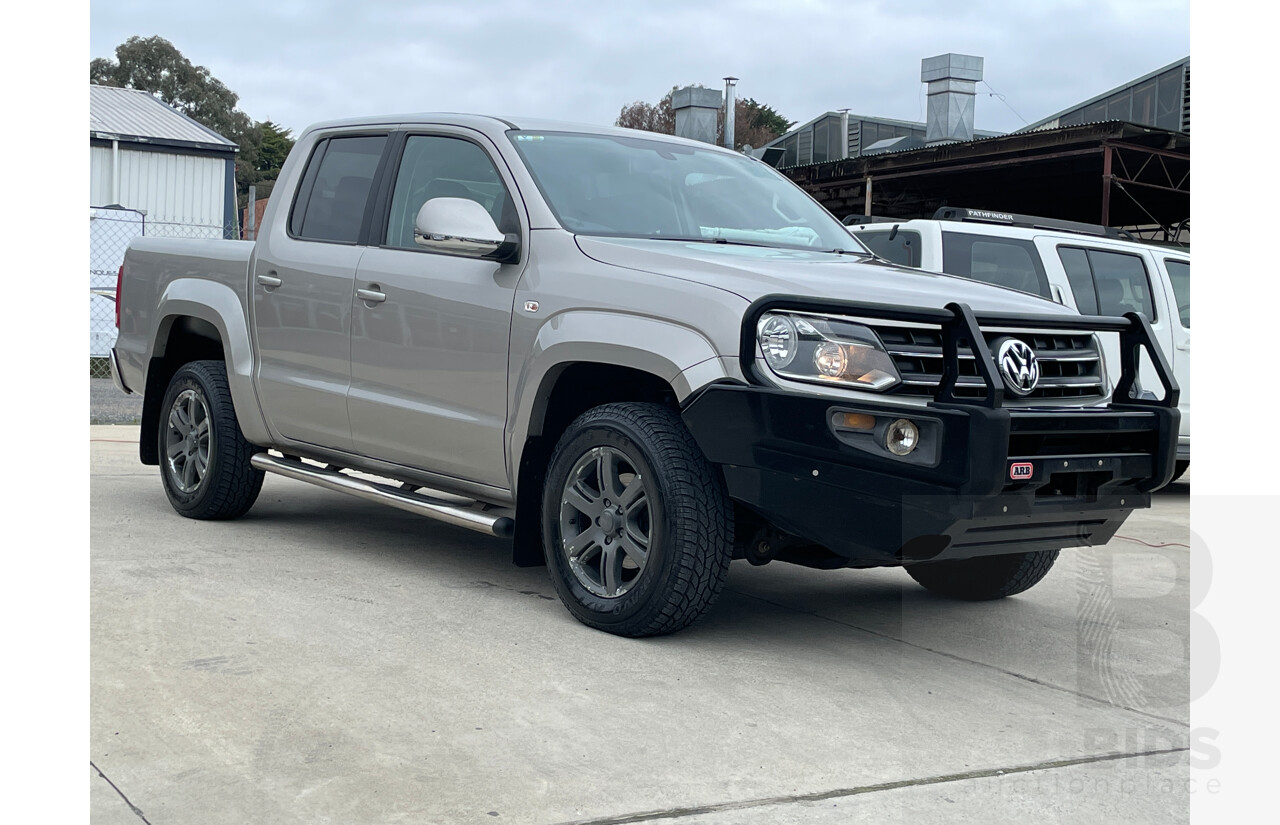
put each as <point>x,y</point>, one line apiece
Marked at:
<point>641,188</point>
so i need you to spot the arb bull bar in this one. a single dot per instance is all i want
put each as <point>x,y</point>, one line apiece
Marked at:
<point>998,478</point>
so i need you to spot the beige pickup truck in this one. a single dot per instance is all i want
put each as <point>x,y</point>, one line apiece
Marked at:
<point>636,358</point>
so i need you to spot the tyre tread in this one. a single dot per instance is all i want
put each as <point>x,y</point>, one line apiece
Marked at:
<point>984,578</point>
<point>699,509</point>
<point>236,483</point>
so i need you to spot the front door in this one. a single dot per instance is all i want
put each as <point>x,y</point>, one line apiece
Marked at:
<point>429,353</point>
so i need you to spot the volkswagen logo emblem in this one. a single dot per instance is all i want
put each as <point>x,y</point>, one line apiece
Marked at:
<point>1018,366</point>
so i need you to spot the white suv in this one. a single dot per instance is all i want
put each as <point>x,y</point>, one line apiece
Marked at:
<point>1094,269</point>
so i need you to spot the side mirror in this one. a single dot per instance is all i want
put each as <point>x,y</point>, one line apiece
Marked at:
<point>462,227</point>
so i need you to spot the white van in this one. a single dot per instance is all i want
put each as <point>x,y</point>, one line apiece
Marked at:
<point>1092,268</point>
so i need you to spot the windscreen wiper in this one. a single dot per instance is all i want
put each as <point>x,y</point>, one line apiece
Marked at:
<point>709,240</point>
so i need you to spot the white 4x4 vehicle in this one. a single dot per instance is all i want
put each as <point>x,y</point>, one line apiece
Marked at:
<point>1092,268</point>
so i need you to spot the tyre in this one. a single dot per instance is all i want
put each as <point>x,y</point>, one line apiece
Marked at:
<point>637,526</point>
<point>204,458</point>
<point>986,577</point>
<point>1179,467</point>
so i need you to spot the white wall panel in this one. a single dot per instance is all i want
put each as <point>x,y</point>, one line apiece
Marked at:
<point>173,188</point>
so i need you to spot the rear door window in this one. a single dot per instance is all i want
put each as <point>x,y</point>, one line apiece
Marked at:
<point>1007,262</point>
<point>335,189</point>
<point>903,249</point>
<point>1080,276</point>
<point>1106,282</point>
<point>1121,282</point>
<point>1180,278</point>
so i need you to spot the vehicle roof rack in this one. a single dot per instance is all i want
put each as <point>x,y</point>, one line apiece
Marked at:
<point>956,213</point>
<point>859,220</point>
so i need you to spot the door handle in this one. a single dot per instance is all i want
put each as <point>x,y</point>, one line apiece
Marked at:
<point>269,281</point>
<point>371,295</point>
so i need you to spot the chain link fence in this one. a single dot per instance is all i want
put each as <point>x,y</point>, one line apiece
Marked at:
<point>110,231</point>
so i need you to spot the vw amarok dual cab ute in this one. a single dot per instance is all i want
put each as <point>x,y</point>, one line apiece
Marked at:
<point>637,358</point>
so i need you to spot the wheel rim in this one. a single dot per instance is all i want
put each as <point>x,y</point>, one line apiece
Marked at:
<point>188,441</point>
<point>607,514</point>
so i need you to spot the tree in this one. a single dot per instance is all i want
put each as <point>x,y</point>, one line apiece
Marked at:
<point>274,147</point>
<point>273,144</point>
<point>153,64</point>
<point>754,123</point>
<point>649,117</point>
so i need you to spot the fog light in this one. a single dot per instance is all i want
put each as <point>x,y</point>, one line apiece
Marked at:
<point>901,437</point>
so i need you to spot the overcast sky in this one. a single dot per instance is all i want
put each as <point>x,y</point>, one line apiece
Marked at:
<point>296,62</point>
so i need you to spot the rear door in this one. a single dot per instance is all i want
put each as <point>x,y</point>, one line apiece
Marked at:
<point>429,359</point>
<point>302,280</point>
<point>1177,272</point>
<point>1113,281</point>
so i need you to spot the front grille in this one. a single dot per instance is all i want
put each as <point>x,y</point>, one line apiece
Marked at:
<point>1070,362</point>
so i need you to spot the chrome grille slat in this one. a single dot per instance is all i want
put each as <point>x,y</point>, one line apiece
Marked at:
<point>1070,361</point>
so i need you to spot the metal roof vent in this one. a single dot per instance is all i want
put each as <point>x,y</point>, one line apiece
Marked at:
<point>696,109</point>
<point>952,79</point>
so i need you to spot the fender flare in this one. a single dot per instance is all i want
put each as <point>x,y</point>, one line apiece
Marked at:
<point>219,305</point>
<point>656,346</point>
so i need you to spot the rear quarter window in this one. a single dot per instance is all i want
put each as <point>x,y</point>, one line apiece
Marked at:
<point>1007,262</point>
<point>903,249</point>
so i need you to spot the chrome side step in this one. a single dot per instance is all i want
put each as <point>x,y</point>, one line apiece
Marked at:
<point>330,479</point>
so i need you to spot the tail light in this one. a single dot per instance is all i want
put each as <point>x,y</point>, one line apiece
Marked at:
<point>119,281</point>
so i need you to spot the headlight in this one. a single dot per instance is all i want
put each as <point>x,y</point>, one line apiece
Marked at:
<point>824,350</point>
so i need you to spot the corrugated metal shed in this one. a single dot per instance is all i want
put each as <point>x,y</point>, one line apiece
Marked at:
<point>135,116</point>
<point>1140,101</point>
<point>1113,173</point>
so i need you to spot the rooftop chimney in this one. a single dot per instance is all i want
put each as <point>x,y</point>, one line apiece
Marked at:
<point>696,109</point>
<point>730,111</point>
<point>951,79</point>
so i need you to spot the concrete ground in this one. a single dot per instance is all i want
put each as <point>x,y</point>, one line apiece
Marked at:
<point>329,660</point>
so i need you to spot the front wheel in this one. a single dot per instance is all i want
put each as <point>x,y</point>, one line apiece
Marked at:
<point>637,526</point>
<point>204,457</point>
<point>986,577</point>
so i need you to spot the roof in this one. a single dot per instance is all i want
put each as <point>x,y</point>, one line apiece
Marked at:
<point>1020,232</point>
<point>905,124</point>
<point>1051,119</point>
<point>138,117</point>
<point>1053,173</point>
<point>495,124</point>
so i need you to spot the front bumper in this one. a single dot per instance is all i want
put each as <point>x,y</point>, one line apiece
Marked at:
<point>782,459</point>
<point>985,479</point>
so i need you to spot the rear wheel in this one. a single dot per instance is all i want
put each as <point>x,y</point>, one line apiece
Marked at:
<point>986,577</point>
<point>637,527</point>
<point>204,457</point>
